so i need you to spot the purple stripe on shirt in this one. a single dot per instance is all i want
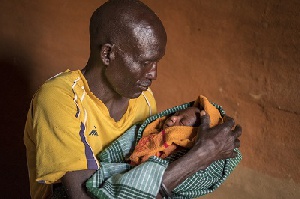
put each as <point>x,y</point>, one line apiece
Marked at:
<point>77,112</point>
<point>91,162</point>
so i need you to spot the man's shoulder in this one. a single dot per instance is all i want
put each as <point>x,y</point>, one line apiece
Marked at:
<point>62,78</point>
<point>60,83</point>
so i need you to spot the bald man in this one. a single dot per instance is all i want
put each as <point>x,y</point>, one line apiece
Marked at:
<point>75,114</point>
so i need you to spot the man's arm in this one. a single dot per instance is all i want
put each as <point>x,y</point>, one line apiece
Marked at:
<point>74,183</point>
<point>213,144</point>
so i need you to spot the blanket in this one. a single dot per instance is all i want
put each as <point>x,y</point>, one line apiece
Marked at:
<point>118,179</point>
<point>162,142</point>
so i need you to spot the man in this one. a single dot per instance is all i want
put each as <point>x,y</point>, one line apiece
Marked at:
<point>76,114</point>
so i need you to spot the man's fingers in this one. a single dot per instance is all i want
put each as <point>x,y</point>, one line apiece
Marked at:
<point>237,131</point>
<point>228,121</point>
<point>205,120</point>
<point>226,126</point>
<point>237,143</point>
<point>233,154</point>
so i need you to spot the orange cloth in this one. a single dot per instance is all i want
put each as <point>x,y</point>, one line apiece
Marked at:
<point>161,143</point>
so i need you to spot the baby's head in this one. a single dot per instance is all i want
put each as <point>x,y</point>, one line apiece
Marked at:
<point>186,117</point>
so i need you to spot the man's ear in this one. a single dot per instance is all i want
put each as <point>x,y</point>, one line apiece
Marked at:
<point>106,53</point>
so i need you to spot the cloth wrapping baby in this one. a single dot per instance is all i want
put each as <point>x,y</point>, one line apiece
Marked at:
<point>162,137</point>
<point>117,178</point>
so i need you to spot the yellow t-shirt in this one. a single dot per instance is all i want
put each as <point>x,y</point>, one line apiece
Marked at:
<point>67,125</point>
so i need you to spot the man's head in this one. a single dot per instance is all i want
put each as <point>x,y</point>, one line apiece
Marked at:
<point>128,39</point>
<point>186,117</point>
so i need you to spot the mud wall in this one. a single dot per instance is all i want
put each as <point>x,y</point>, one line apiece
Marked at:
<point>243,55</point>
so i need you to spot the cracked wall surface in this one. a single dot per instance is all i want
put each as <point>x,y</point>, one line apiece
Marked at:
<point>243,55</point>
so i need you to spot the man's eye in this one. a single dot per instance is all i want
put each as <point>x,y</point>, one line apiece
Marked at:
<point>147,63</point>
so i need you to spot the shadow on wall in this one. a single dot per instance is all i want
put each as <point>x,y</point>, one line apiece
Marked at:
<point>15,99</point>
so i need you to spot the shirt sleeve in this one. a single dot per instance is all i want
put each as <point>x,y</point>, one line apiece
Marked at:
<point>59,134</point>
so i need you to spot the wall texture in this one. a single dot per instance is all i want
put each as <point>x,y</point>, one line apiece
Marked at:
<point>241,54</point>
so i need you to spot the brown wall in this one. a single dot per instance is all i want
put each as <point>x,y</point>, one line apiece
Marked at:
<point>241,54</point>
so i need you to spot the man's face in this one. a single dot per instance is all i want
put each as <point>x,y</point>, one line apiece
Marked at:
<point>134,66</point>
<point>187,117</point>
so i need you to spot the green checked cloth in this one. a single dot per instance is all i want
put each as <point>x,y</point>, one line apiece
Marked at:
<point>117,179</point>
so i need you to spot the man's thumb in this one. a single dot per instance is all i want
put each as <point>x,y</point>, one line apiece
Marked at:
<point>205,120</point>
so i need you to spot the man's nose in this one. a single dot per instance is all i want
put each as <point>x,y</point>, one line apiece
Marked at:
<point>152,73</point>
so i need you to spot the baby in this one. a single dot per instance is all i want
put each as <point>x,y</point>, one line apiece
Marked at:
<point>187,117</point>
<point>167,134</point>
<point>159,135</point>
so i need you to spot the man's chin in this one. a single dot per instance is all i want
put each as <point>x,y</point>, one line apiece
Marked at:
<point>136,95</point>
<point>133,95</point>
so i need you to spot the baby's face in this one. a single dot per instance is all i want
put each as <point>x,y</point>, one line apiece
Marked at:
<point>187,117</point>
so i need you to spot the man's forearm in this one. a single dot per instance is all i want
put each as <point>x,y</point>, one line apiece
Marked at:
<point>185,166</point>
<point>74,183</point>
<point>213,144</point>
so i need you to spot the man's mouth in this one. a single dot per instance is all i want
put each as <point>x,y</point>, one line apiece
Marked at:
<point>144,86</point>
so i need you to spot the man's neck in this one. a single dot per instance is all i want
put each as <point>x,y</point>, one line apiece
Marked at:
<point>116,104</point>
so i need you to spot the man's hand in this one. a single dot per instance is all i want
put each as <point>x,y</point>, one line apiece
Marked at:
<point>213,144</point>
<point>219,140</point>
